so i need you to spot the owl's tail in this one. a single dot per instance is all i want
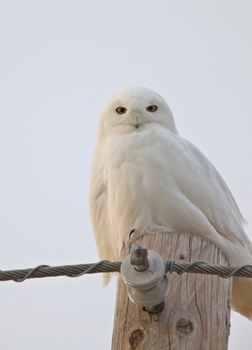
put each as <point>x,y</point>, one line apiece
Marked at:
<point>238,255</point>
<point>106,277</point>
<point>242,296</point>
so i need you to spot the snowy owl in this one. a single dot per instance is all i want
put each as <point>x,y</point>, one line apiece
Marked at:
<point>145,177</point>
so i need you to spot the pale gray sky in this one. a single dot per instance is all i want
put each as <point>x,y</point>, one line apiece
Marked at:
<point>59,62</point>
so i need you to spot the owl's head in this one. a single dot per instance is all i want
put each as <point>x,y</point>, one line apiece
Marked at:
<point>134,110</point>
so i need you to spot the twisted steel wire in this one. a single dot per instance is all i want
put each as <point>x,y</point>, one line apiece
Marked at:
<point>105,266</point>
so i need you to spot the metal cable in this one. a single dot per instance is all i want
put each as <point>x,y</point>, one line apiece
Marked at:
<point>205,268</point>
<point>42,271</point>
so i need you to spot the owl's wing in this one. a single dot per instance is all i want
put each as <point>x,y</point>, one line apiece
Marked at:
<point>198,179</point>
<point>98,204</point>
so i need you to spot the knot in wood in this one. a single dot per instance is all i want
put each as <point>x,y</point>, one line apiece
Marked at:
<point>136,337</point>
<point>184,326</point>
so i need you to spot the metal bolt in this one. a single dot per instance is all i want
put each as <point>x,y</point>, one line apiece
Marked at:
<point>139,258</point>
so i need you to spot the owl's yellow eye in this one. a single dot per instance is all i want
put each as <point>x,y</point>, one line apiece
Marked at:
<point>152,108</point>
<point>121,110</point>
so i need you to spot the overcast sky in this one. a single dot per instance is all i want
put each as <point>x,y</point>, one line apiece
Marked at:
<point>59,62</point>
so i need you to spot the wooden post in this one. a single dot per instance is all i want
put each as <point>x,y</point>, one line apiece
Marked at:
<point>197,308</point>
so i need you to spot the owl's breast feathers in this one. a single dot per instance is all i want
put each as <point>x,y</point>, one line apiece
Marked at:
<point>154,179</point>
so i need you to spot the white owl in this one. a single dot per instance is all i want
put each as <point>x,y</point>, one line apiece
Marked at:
<point>146,177</point>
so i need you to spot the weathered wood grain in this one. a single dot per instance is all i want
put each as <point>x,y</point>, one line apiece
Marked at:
<point>197,307</point>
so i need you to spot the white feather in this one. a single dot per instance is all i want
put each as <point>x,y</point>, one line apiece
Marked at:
<point>146,177</point>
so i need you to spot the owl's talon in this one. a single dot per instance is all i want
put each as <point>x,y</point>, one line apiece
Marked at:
<point>131,232</point>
